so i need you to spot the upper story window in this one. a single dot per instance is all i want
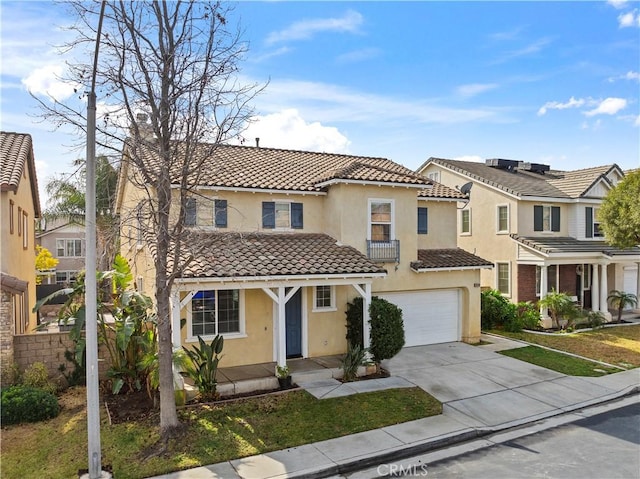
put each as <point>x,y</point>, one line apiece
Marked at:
<point>546,218</point>
<point>465,222</point>
<point>215,312</point>
<point>592,224</point>
<point>25,230</point>
<point>503,218</point>
<point>434,176</point>
<point>381,220</point>
<point>282,215</point>
<point>69,248</point>
<point>190,212</point>
<point>423,221</point>
<point>11,216</point>
<point>220,213</point>
<point>19,221</point>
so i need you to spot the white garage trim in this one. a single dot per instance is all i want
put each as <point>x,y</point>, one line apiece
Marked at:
<point>430,316</point>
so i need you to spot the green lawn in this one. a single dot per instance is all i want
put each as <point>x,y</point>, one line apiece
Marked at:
<point>57,448</point>
<point>562,363</point>
<point>617,345</point>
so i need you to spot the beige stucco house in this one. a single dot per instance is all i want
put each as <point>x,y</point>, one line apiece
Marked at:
<point>281,240</point>
<point>540,229</point>
<point>20,208</point>
<point>66,241</point>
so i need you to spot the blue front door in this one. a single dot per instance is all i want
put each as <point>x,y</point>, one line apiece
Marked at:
<point>293,320</point>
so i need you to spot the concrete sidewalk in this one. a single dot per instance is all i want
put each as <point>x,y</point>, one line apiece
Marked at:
<point>482,392</point>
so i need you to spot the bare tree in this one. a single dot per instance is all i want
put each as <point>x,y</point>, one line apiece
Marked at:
<point>169,92</point>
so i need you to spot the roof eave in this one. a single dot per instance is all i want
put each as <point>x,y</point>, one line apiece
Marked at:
<point>451,268</point>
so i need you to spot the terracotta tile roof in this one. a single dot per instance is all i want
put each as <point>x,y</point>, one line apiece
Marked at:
<point>12,284</point>
<point>16,154</point>
<point>448,258</point>
<point>232,166</point>
<point>565,244</point>
<point>438,190</point>
<point>552,184</point>
<point>231,255</point>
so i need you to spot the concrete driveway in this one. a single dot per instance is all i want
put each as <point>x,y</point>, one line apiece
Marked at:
<point>482,388</point>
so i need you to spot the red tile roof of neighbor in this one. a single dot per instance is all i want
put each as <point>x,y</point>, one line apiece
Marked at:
<point>448,258</point>
<point>16,154</point>
<point>232,255</point>
<point>231,166</point>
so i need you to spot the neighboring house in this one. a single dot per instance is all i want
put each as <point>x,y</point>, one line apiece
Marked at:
<point>20,208</point>
<point>66,242</point>
<point>540,229</point>
<point>281,240</point>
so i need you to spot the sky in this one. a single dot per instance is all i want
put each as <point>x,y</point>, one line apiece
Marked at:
<point>546,82</point>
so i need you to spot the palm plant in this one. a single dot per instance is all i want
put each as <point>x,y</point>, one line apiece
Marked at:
<point>559,306</point>
<point>620,300</point>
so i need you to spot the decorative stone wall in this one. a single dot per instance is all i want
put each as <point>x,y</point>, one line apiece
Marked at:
<point>6,331</point>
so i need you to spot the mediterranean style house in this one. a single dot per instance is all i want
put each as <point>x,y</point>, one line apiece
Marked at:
<point>280,241</point>
<point>540,229</point>
<point>20,208</point>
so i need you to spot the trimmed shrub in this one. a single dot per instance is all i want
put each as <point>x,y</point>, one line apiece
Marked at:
<point>528,314</point>
<point>497,311</point>
<point>27,404</point>
<point>354,322</point>
<point>37,376</point>
<point>387,329</point>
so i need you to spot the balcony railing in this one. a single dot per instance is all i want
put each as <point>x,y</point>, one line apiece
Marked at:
<point>384,251</point>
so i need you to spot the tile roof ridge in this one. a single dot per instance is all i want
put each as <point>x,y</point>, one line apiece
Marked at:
<point>291,150</point>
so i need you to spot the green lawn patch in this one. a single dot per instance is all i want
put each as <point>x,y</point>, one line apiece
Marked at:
<point>213,433</point>
<point>559,362</point>
<point>617,345</point>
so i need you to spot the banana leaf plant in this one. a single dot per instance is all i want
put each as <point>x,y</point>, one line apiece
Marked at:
<point>203,365</point>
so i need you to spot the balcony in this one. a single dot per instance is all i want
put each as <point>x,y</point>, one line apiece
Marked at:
<point>384,251</point>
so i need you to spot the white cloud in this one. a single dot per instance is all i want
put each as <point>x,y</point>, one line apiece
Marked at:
<point>287,129</point>
<point>630,75</point>
<point>474,89</point>
<point>527,50</point>
<point>617,3</point>
<point>46,80</point>
<point>358,55</point>
<point>555,105</point>
<point>269,55</point>
<point>474,158</point>
<point>305,29</point>
<point>629,19</point>
<point>608,106</point>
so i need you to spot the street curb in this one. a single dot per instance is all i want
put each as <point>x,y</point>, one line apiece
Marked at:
<point>430,445</point>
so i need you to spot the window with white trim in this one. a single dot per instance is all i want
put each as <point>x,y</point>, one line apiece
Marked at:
<point>434,176</point>
<point>538,280</point>
<point>66,277</point>
<point>503,278</point>
<point>215,312</point>
<point>324,298</point>
<point>381,220</point>
<point>69,248</point>
<point>597,231</point>
<point>465,222</point>
<point>503,218</point>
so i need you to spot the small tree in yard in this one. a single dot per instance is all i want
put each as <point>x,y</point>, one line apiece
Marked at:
<point>619,214</point>
<point>45,262</point>
<point>168,76</point>
<point>559,306</point>
<point>621,299</point>
<point>387,330</point>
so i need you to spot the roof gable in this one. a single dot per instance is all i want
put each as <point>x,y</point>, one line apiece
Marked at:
<point>16,156</point>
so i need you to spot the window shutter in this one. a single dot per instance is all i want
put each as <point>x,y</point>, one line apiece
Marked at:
<point>537,218</point>
<point>422,221</point>
<point>268,214</point>
<point>190,212</point>
<point>296,216</point>
<point>555,218</point>
<point>220,213</point>
<point>588,222</point>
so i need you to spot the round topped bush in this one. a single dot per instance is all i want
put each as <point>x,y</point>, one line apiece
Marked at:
<point>27,404</point>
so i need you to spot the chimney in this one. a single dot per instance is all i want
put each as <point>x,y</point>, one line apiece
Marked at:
<point>144,128</point>
<point>257,142</point>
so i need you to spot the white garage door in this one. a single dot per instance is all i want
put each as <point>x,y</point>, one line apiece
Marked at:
<point>630,280</point>
<point>429,317</point>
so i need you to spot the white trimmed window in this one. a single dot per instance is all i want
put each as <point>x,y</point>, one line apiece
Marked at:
<point>503,218</point>
<point>434,176</point>
<point>215,312</point>
<point>503,278</point>
<point>69,248</point>
<point>381,227</point>
<point>66,277</point>
<point>465,222</point>
<point>324,298</point>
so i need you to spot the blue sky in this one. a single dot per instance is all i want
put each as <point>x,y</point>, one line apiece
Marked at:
<point>554,83</point>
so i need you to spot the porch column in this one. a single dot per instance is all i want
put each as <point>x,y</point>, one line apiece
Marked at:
<point>366,301</point>
<point>604,289</point>
<point>544,313</point>
<point>282,329</point>
<point>595,289</point>
<point>174,302</point>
